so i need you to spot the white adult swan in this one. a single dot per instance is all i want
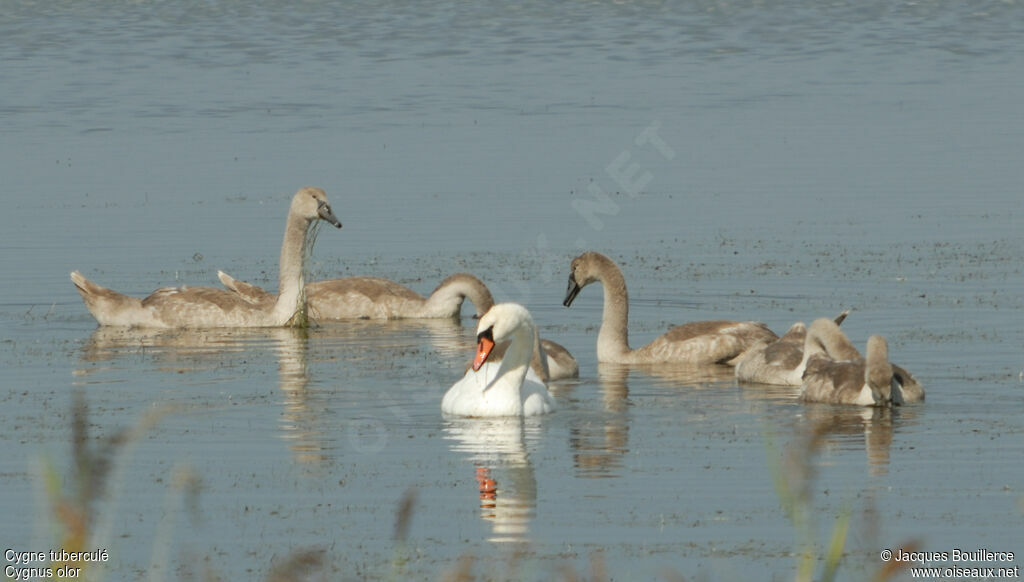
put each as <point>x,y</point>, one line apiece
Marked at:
<point>550,361</point>
<point>870,381</point>
<point>508,388</point>
<point>377,298</point>
<point>697,343</point>
<point>782,361</point>
<point>198,307</point>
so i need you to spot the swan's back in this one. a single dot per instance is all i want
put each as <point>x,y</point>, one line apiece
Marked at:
<point>344,298</point>
<point>168,307</point>
<point>788,351</point>
<point>361,298</point>
<point>775,362</point>
<point>834,382</point>
<point>561,363</point>
<point>374,289</point>
<point>205,307</point>
<point>704,342</point>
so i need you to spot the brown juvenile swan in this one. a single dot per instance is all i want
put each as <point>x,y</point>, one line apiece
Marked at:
<point>782,362</point>
<point>870,381</point>
<point>198,307</point>
<point>697,343</point>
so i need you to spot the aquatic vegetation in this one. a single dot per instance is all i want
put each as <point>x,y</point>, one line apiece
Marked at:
<point>793,474</point>
<point>793,477</point>
<point>80,532</point>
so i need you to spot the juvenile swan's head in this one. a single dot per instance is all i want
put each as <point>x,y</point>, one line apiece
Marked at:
<point>585,270</point>
<point>311,204</point>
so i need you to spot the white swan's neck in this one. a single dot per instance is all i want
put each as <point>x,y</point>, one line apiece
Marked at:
<point>290,307</point>
<point>504,390</point>
<point>613,338</point>
<point>516,362</point>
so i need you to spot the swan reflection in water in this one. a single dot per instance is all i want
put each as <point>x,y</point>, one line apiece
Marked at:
<point>184,351</point>
<point>600,439</point>
<point>835,426</point>
<point>378,341</point>
<point>498,448</point>
<point>118,354</point>
<point>175,350</point>
<point>844,427</point>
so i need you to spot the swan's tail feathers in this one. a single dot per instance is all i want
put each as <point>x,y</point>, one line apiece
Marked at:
<point>247,291</point>
<point>226,280</point>
<point>108,306</point>
<point>841,317</point>
<point>86,287</point>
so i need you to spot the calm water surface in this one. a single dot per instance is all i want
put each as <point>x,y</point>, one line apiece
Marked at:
<point>770,161</point>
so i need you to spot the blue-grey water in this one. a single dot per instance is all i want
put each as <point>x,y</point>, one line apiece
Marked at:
<point>745,160</point>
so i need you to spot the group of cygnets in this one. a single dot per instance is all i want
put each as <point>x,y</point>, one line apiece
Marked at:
<point>512,366</point>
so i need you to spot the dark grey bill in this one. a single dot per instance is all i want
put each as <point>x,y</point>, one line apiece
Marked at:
<point>325,213</point>
<point>571,292</point>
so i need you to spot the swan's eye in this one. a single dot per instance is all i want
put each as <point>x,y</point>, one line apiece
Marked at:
<point>486,334</point>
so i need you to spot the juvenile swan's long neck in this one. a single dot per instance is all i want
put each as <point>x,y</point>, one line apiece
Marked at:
<point>824,337</point>
<point>613,338</point>
<point>446,300</point>
<point>877,369</point>
<point>290,308</point>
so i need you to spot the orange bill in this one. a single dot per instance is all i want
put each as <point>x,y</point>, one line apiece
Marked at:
<point>483,349</point>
